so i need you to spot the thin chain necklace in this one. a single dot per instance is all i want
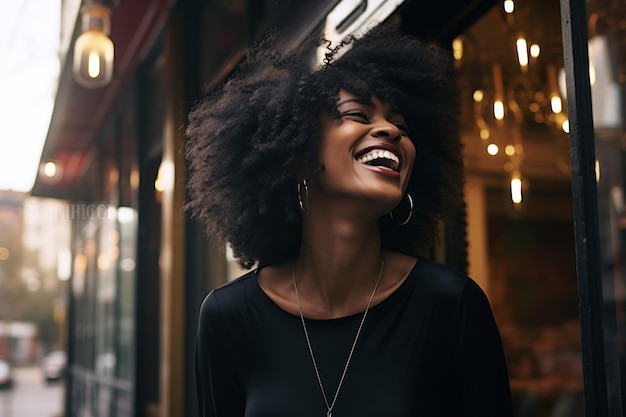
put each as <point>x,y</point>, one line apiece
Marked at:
<point>330,406</point>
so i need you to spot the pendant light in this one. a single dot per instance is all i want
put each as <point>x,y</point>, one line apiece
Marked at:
<point>93,49</point>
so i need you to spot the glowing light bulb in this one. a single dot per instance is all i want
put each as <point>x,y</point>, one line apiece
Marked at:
<point>555,104</point>
<point>522,53</point>
<point>93,49</point>
<point>492,149</point>
<point>516,190</point>
<point>93,66</point>
<point>498,103</point>
<point>555,100</point>
<point>535,50</point>
<point>93,59</point>
<point>509,6</point>
<point>498,109</point>
<point>50,169</point>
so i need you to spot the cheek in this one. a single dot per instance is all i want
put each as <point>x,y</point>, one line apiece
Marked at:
<point>337,142</point>
<point>411,155</point>
<point>326,149</point>
<point>328,138</point>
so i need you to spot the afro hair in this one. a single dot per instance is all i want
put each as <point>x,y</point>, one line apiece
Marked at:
<point>255,137</point>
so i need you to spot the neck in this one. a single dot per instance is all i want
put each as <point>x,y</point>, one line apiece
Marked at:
<point>339,261</point>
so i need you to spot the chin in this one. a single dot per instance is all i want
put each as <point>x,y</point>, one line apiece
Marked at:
<point>388,200</point>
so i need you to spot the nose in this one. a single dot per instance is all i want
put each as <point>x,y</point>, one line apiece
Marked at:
<point>387,130</point>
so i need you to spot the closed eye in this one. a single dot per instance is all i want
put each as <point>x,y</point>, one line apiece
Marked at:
<point>355,115</point>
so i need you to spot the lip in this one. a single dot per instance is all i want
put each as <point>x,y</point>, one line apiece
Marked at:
<point>382,170</point>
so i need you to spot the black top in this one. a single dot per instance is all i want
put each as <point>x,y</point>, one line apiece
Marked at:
<point>431,348</point>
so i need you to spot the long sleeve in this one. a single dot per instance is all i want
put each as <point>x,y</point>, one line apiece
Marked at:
<point>219,394</point>
<point>480,369</point>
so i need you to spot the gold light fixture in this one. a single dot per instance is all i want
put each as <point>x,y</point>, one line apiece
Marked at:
<point>514,85</point>
<point>522,53</point>
<point>509,6</point>
<point>555,99</point>
<point>516,188</point>
<point>534,50</point>
<point>498,103</point>
<point>93,49</point>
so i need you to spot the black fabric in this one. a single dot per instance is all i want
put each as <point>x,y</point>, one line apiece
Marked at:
<point>431,348</point>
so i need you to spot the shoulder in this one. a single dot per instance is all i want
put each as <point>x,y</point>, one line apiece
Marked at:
<point>439,279</point>
<point>446,283</point>
<point>228,298</point>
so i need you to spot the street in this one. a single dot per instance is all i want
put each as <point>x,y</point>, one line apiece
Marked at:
<point>31,396</point>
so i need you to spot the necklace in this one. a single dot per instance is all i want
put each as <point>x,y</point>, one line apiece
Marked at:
<point>330,406</point>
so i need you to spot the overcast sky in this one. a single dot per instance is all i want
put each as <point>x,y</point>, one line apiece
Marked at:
<point>29,70</point>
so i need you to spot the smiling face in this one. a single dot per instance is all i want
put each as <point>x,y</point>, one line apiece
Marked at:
<point>365,151</point>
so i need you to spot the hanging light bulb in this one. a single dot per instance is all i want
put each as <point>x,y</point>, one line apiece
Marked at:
<point>522,53</point>
<point>534,50</point>
<point>565,126</point>
<point>516,189</point>
<point>555,99</point>
<point>509,6</point>
<point>93,49</point>
<point>498,103</point>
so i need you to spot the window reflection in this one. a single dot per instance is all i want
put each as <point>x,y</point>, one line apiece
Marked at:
<point>606,56</point>
<point>521,240</point>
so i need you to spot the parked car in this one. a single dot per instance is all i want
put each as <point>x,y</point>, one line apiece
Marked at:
<point>6,375</point>
<point>53,365</point>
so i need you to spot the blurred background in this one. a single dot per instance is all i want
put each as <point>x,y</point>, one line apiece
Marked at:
<point>35,257</point>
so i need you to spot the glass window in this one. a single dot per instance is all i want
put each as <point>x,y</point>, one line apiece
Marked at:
<point>607,73</point>
<point>83,290</point>
<point>108,253</point>
<point>519,203</point>
<point>127,221</point>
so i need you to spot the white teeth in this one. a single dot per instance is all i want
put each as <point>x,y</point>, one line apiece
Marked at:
<point>378,154</point>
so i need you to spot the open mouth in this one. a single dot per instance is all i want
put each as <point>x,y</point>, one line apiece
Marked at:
<point>380,158</point>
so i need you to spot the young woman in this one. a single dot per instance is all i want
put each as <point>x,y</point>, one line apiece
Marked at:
<point>330,182</point>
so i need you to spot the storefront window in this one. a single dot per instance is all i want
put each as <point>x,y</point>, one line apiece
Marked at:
<point>519,200</point>
<point>83,290</point>
<point>108,253</point>
<point>127,221</point>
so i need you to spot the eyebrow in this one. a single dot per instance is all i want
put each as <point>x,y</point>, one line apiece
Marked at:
<point>363,101</point>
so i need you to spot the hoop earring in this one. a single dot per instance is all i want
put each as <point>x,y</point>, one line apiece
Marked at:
<point>303,201</point>
<point>408,196</point>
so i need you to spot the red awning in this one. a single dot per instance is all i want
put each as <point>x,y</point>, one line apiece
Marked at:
<point>79,113</point>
